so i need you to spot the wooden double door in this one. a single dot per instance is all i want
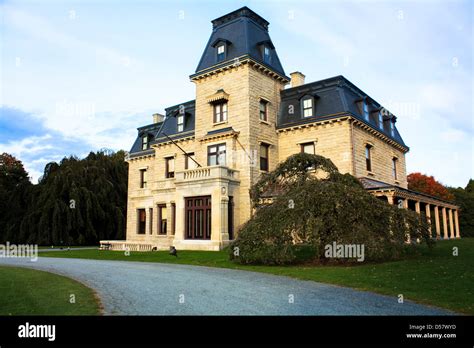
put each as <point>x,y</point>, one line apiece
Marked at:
<point>198,217</point>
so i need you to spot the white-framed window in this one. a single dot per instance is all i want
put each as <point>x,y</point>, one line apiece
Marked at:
<point>220,52</point>
<point>145,142</point>
<point>308,107</point>
<point>392,128</point>
<point>180,121</point>
<point>220,112</point>
<point>216,155</point>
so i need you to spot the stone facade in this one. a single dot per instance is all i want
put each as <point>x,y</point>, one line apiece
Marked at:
<point>202,207</point>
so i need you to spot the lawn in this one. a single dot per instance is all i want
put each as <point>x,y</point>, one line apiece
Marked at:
<point>434,277</point>
<point>30,292</point>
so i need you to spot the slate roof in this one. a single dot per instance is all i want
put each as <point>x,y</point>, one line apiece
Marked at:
<point>157,131</point>
<point>332,96</point>
<point>245,32</point>
<point>369,184</point>
<point>372,184</point>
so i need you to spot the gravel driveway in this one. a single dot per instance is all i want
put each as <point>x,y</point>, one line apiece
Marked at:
<point>141,288</point>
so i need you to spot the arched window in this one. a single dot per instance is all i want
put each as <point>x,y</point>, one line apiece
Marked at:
<point>368,157</point>
<point>394,167</point>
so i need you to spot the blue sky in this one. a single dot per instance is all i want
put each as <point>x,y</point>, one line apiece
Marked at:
<point>78,76</point>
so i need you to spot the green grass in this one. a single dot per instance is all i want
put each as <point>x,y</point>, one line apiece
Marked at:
<point>64,247</point>
<point>434,277</point>
<point>30,292</point>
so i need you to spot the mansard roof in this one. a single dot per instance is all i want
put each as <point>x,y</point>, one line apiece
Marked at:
<point>332,98</point>
<point>245,33</point>
<point>162,131</point>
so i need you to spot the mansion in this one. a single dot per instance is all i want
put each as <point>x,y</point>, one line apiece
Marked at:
<point>190,170</point>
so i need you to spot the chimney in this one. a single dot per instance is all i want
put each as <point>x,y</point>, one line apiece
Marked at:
<point>157,118</point>
<point>297,79</point>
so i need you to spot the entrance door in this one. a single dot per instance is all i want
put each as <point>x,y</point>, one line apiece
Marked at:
<point>198,217</point>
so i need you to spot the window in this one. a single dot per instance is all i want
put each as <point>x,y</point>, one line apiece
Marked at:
<point>308,107</point>
<point>368,160</point>
<point>392,128</point>
<point>189,163</point>
<point>220,53</point>
<point>308,148</point>
<point>380,120</point>
<point>216,155</point>
<point>394,167</point>
<point>220,112</point>
<point>264,157</point>
<point>143,178</point>
<point>169,162</point>
<point>263,110</point>
<point>145,142</point>
<point>180,123</point>
<point>266,54</point>
<point>162,219</point>
<point>141,228</point>
<point>365,110</point>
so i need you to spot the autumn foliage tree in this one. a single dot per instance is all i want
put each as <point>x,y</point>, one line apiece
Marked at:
<point>428,184</point>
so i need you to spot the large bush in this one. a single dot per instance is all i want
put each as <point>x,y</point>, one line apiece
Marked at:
<point>314,205</point>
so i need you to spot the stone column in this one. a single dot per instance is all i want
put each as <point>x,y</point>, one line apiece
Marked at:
<point>438,232</point>
<point>445,224</point>
<point>456,223</point>
<point>147,222</point>
<point>451,224</point>
<point>390,200</point>
<point>405,206</point>
<point>405,203</point>
<point>169,219</point>
<point>428,216</point>
<point>417,207</point>
<point>224,219</point>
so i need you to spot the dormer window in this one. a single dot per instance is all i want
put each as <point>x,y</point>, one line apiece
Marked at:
<point>266,54</point>
<point>392,128</point>
<point>381,120</point>
<point>365,110</point>
<point>180,121</point>
<point>221,52</point>
<point>307,107</point>
<point>145,143</point>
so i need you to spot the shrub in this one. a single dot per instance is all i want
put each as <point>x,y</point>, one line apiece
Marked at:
<point>313,210</point>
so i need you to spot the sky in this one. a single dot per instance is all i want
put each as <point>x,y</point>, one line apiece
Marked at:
<point>79,76</point>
